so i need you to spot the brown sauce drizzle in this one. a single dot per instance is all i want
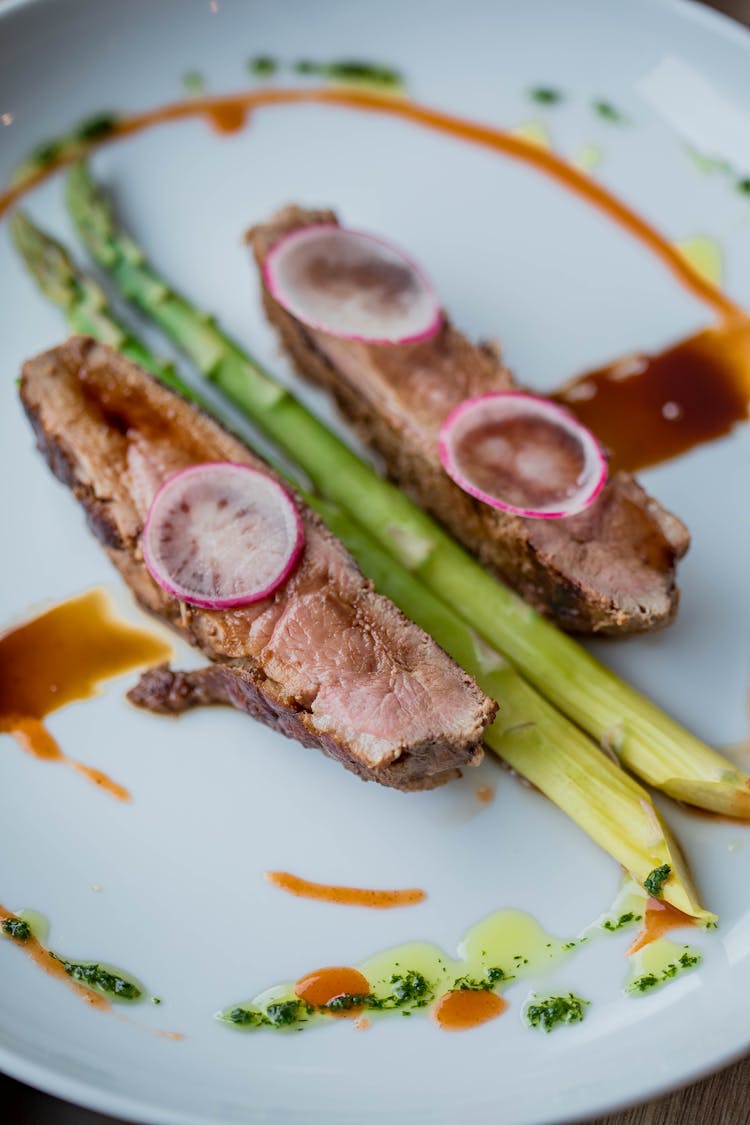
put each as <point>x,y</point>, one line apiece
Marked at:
<point>344,896</point>
<point>42,957</point>
<point>705,376</point>
<point>60,657</point>
<point>649,408</point>
<point>466,1008</point>
<point>658,920</point>
<point>323,985</point>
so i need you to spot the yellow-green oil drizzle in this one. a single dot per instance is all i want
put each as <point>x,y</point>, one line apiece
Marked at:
<point>705,256</point>
<point>659,963</point>
<point>627,910</point>
<point>586,157</point>
<point>96,981</point>
<point>502,949</point>
<point>536,132</point>
<point>505,947</point>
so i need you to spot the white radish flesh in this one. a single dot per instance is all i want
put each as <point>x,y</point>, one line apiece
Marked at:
<point>351,285</point>
<point>522,454</point>
<point>219,535</point>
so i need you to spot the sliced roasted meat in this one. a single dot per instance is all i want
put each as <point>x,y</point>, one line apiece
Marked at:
<point>609,569</point>
<point>325,659</point>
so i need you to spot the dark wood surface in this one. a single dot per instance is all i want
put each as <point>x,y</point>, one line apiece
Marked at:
<point>722,1099</point>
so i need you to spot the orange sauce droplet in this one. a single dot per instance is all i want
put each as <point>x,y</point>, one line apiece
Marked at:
<point>344,896</point>
<point>323,985</point>
<point>658,920</point>
<point>228,117</point>
<point>61,657</point>
<point>466,1008</point>
<point>362,1024</point>
<point>674,422</point>
<point>485,794</point>
<point>42,957</point>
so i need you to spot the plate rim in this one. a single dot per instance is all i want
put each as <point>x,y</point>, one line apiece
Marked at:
<point>17,1065</point>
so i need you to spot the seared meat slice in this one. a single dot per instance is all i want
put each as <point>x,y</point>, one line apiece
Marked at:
<point>325,659</point>
<point>610,569</point>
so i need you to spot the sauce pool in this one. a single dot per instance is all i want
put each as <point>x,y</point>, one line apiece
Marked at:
<point>344,896</point>
<point>649,408</point>
<point>323,985</point>
<point>465,1008</point>
<point>61,657</point>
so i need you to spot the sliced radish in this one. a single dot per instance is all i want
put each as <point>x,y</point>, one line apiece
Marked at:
<point>522,454</point>
<point>352,285</point>
<point>219,535</point>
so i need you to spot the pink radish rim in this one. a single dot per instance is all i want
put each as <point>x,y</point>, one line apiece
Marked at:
<point>589,443</point>
<point>274,290</point>
<point>223,603</point>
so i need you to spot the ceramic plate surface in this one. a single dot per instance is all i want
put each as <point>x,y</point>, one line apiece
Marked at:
<point>218,799</point>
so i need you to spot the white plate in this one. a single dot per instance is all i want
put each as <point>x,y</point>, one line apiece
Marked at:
<point>218,799</point>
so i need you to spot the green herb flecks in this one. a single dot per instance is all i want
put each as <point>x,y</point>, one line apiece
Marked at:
<point>648,981</point>
<point>567,946</point>
<point>16,929</point>
<point>707,164</point>
<point>263,66</point>
<point>285,1013</point>
<point>545,95</point>
<point>110,983</point>
<point>96,127</point>
<point>355,71</point>
<point>491,979</point>
<point>410,988</point>
<point>622,921</point>
<point>711,165</point>
<point>246,1017</point>
<point>609,112</point>
<point>193,82</point>
<point>654,882</point>
<point>554,1011</point>
<point>350,1000</point>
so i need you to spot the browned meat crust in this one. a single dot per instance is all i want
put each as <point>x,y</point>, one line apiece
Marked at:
<point>325,660</point>
<point>610,569</point>
<point>168,692</point>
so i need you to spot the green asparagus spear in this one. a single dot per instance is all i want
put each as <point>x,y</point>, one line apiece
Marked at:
<point>650,743</point>
<point>534,738</point>
<point>530,734</point>
<point>83,302</point>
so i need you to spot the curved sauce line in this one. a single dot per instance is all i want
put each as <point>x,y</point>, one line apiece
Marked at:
<point>344,896</point>
<point>35,739</point>
<point>47,961</point>
<point>229,113</point>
